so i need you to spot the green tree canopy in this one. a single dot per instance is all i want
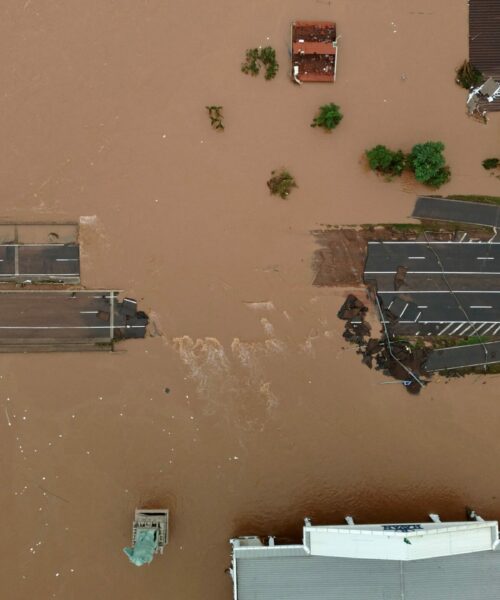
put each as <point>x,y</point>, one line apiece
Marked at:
<point>382,159</point>
<point>428,163</point>
<point>329,117</point>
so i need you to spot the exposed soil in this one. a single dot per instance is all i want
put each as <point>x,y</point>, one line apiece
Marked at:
<point>269,417</point>
<point>341,258</point>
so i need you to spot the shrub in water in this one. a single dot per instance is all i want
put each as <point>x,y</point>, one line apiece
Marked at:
<point>329,117</point>
<point>216,117</point>
<point>255,58</point>
<point>382,159</point>
<point>490,163</point>
<point>281,183</point>
<point>468,76</point>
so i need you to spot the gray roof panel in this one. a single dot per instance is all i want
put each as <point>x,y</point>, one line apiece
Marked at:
<point>473,576</point>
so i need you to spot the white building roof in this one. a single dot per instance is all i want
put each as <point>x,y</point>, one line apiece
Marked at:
<point>372,562</point>
<point>401,542</point>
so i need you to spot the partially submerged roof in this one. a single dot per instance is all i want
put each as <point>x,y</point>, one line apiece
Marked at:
<point>293,572</point>
<point>484,36</point>
<point>314,51</point>
<point>484,42</point>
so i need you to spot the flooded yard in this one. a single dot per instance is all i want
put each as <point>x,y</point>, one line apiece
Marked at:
<point>269,414</point>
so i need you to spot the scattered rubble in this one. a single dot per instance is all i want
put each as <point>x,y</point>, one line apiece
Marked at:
<point>398,358</point>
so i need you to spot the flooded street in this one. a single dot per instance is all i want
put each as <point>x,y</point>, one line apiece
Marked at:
<point>269,415</point>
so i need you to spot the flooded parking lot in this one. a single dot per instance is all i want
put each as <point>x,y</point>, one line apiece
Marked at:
<point>269,415</point>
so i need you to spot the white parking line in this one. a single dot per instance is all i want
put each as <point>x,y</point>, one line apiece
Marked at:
<point>430,242</point>
<point>434,272</point>
<point>72,327</point>
<point>439,292</point>
<point>478,306</point>
<point>457,329</point>
<point>447,327</point>
<point>490,327</point>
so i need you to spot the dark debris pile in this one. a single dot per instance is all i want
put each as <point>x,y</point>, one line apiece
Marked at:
<point>396,358</point>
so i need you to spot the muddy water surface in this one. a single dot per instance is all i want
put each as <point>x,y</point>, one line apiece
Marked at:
<point>268,418</point>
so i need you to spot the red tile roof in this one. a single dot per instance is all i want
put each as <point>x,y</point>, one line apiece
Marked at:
<point>313,48</point>
<point>313,52</point>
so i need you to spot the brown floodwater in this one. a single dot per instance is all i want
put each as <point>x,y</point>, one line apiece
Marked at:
<point>269,418</point>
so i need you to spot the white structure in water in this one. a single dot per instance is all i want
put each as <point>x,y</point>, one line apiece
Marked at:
<point>370,562</point>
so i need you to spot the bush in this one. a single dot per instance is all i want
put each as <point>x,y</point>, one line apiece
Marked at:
<point>329,117</point>
<point>268,59</point>
<point>281,183</point>
<point>468,76</point>
<point>490,163</point>
<point>255,58</point>
<point>428,163</point>
<point>383,160</point>
<point>216,117</point>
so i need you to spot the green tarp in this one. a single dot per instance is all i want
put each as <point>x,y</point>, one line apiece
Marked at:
<point>144,549</point>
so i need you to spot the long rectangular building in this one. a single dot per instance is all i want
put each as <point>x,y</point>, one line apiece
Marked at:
<point>415,561</point>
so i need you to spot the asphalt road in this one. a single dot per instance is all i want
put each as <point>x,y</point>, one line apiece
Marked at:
<point>40,262</point>
<point>457,211</point>
<point>463,356</point>
<point>468,258</point>
<point>444,307</point>
<point>57,315</point>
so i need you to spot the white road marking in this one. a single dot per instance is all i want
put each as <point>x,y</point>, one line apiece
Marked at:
<point>477,306</point>
<point>89,312</point>
<point>66,259</point>
<point>72,327</point>
<point>490,327</point>
<point>434,272</point>
<point>417,257</point>
<point>425,322</point>
<point>112,314</point>
<point>435,242</point>
<point>403,311</point>
<point>438,292</point>
<point>485,258</point>
<point>447,327</point>
<point>39,275</point>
